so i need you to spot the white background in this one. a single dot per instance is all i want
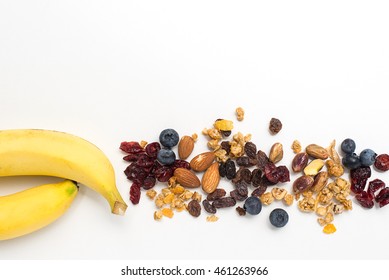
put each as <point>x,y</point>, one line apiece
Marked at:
<point>113,71</point>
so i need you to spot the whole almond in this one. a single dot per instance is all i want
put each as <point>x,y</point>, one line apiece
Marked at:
<point>186,178</point>
<point>185,147</point>
<point>316,151</point>
<point>202,161</point>
<point>211,178</point>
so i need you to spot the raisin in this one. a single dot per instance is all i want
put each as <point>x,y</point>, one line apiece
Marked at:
<point>222,169</point>
<point>225,145</point>
<point>135,193</point>
<point>251,150</point>
<point>382,162</point>
<point>259,191</point>
<point>230,169</point>
<point>375,186</point>
<point>275,126</point>
<point>359,178</point>
<point>265,182</point>
<point>238,176</point>
<point>246,175</point>
<point>240,211</point>
<point>225,133</point>
<point>256,175</point>
<point>263,160</point>
<point>365,199</point>
<point>216,194</point>
<point>224,202</point>
<point>242,188</point>
<point>194,208</point>
<point>244,161</point>
<point>237,196</point>
<point>209,207</point>
<point>131,147</point>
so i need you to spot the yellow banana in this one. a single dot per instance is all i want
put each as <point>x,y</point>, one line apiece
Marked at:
<point>59,154</point>
<point>32,209</point>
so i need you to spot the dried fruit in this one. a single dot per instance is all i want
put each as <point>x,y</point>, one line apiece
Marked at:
<point>251,150</point>
<point>211,178</point>
<point>208,207</point>
<point>316,151</point>
<point>375,186</point>
<point>185,147</point>
<point>299,162</point>
<point>187,178</point>
<point>276,153</point>
<point>202,161</point>
<point>365,199</point>
<point>194,208</point>
<point>359,178</point>
<point>383,197</point>
<point>218,193</point>
<point>135,193</point>
<point>167,212</point>
<point>330,228</point>
<point>223,125</point>
<point>382,162</point>
<point>240,211</point>
<point>230,169</point>
<point>224,202</point>
<point>275,126</point>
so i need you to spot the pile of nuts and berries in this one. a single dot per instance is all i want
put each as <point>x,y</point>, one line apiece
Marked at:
<point>256,177</point>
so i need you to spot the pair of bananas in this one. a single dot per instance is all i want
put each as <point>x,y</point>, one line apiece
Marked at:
<point>50,153</point>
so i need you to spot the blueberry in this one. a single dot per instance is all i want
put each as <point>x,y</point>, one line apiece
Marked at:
<point>351,161</point>
<point>348,146</point>
<point>279,217</point>
<point>166,156</point>
<point>253,205</point>
<point>367,157</point>
<point>168,138</point>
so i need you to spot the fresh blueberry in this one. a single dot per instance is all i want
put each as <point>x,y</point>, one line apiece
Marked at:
<point>253,205</point>
<point>279,217</point>
<point>166,156</point>
<point>367,157</point>
<point>351,161</point>
<point>168,138</point>
<point>348,146</point>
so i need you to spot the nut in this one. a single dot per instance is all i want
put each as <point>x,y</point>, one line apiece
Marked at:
<point>276,153</point>
<point>185,147</point>
<point>186,178</point>
<point>211,178</point>
<point>302,184</point>
<point>316,151</point>
<point>314,167</point>
<point>299,162</point>
<point>320,181</point>
<point>202,161</point>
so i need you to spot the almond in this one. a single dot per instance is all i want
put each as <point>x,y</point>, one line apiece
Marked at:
<point>186,178</point>
<point>185,147</point>
<point>202,161</point>
<point>211,178</point>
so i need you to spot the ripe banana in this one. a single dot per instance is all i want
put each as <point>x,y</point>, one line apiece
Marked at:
<point>59,154</point>
<point>32,209</point>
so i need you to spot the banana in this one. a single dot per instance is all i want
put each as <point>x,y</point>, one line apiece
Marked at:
<point>32,209</point>
<point>59,154</point>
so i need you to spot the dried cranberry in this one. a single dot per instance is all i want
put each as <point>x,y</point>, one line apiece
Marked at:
<point>271,173</point>
<point>163,173</point>
<point>135,193</point>
<point>152,149</point>
<point>382,162</point>
<point>149,182</point>
<point>365,199</point>
<point>180,163</point>
<point>131,147</point>
<point>283,174</point>
<point>375,186</point>
<point>383,197</point>
<point>132,157</point>
<point>359,178</point>
<point>145,161</point>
